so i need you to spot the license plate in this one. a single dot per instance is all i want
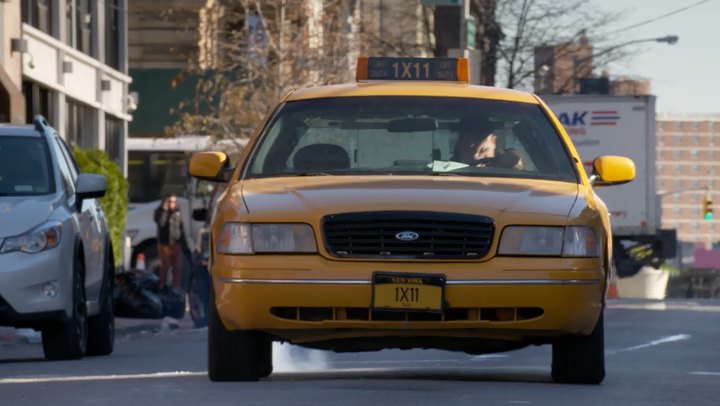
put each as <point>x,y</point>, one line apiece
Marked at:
<point>408,292</point>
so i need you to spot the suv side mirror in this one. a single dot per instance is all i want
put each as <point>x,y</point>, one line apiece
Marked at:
<point>211,166</point>
<point>89,186</point>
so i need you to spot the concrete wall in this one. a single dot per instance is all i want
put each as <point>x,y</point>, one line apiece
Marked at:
<point>10,63</point>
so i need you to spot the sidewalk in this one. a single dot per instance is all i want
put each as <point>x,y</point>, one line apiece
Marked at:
<point>123,327</point>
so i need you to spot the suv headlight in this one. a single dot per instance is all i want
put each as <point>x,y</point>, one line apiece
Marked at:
<point>245,238</point>
<point>572,241</point>
<point>42,237</point>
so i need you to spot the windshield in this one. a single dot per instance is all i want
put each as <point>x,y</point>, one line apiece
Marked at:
<point>412,135</point>
<point>25,168</point>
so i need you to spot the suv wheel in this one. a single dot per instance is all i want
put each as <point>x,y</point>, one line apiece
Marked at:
<point>101,327</point>
<point>580,359</point>
<point>236,355</point>
<point>69,340</point>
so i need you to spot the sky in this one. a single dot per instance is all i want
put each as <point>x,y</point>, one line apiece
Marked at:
<point>685,77</point>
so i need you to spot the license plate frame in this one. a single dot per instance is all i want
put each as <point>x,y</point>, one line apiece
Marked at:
<point>407,280</point>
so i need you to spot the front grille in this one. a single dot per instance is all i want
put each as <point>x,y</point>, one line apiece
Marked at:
<point>438,235</point>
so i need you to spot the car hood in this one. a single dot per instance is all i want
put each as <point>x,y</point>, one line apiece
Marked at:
<point>308,199</point>
<point>19,214</point>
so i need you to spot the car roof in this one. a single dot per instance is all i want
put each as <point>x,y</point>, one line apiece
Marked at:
<point>412,88</point>
<point>19,130</point>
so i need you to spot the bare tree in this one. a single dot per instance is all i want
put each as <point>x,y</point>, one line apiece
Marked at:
<point>529,24</point>
<point>253,52</point>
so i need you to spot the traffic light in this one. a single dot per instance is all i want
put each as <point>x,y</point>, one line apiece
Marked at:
<point>707,207</point>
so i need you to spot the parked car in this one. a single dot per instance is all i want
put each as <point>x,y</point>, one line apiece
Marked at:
<point>56,257</point>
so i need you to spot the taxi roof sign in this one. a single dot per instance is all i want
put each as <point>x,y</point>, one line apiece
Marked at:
<point>424,69</point>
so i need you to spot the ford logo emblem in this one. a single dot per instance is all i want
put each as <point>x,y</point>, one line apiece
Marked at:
<point>407,236</point>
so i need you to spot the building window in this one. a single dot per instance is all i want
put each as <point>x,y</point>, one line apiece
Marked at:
<point>677,139</point>
<point>677,211</point>
<point>695,125</point>
<point>80,125</point>
<point>38,13</point>
<point>678,125</point>
<point>38,100</point>
<point>78,20</point>
<point>677,168</point>
<point>695,183</point>
<point>113,138</point>
<point>694,153</point>
<point>678,184</point>
<point>112,33</point>
<point>677,153</point>
<point>695,139</point>
<point>694,168</point>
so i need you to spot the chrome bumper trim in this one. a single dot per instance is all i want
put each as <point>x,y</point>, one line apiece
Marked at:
<point>450,282</point>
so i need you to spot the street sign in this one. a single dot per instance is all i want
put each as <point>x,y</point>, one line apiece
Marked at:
<point>441,2</point>
<point>471,29</point>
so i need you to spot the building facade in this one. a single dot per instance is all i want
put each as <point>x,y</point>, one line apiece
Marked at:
<point>66,60</point>
<point>688,165</point>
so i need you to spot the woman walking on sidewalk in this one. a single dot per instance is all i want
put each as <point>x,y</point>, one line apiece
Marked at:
<point>170,237</point>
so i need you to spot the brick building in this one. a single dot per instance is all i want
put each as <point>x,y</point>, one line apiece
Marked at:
<point>688,165</point>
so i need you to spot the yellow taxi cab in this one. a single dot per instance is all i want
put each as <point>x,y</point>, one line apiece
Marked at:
<point>409,210</point>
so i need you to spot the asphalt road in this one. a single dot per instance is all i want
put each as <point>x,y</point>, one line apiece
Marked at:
<point>657,354</point>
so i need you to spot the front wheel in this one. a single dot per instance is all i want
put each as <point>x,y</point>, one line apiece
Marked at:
<point>101,327</point>
<point>580,359</point>
<point>236,355</point>
<point>69,340</point>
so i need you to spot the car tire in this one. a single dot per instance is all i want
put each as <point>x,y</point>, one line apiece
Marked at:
<point>101,327</point>
<point>266,366</point>
<point>580,359</point>
<point>68,340</point>
<point>198,293</point>
<point>235,355</point>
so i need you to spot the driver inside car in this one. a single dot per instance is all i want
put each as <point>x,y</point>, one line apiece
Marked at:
<point>477,146</point>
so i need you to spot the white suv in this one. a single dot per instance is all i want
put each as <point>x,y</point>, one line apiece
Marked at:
<point>56,261</point>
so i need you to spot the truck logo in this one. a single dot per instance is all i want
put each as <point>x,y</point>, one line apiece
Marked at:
<point>597,117</point>
<point>407,236</point>
<point>604,117</point>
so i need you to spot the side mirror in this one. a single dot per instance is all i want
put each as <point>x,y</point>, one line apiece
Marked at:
<point>211,166</point>
<point>89,186</point>
<point>199,214</point>
<point>612,170</point>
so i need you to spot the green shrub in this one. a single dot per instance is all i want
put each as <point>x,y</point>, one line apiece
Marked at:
<point>115,202</point>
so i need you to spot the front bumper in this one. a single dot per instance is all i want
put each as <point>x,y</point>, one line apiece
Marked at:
<point>328,298</point>
<point>22,276</point>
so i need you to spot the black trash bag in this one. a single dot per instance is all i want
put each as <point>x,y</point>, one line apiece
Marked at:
<point>133,301</point>
<point>148,280</point>
<point>173,303</point>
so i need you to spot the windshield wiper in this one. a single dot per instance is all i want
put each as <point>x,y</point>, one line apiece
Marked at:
<point>312,174</point>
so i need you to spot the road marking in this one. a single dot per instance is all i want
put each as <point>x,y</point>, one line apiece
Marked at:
<point>664,340</point>
<point>50,379</point>
<point>705,373</point>
<point>486,357</point>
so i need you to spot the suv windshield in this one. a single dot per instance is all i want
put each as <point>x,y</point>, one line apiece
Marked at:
<point>412,135</point>
<point>25,167</point>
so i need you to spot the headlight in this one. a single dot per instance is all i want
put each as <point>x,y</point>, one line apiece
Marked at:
<point>244,238</point>
<point>532,241</point>
<point>43,237</point>
<point>581,242</point>
<point>573,241</point>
